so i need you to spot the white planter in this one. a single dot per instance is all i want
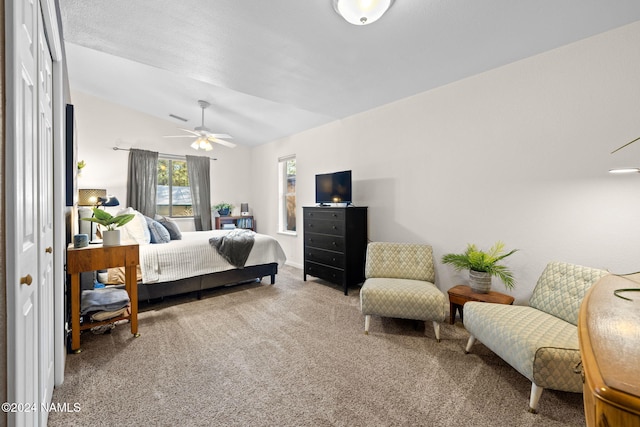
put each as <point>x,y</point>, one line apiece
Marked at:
<point>111,238</point>
<point>480,281</point>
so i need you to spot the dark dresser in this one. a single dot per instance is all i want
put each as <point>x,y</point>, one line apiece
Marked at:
<point>335,244</point>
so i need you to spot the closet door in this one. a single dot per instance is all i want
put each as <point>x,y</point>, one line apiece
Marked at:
<point>28,223</point>
<point>45,221</point>
<point>22,213</point>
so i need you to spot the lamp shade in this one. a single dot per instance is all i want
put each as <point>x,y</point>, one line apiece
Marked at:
<point>90,196</point>
<point>361,12</point>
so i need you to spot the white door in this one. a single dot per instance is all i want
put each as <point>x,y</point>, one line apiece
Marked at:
<point>45,221</point>
<point>22,210</point>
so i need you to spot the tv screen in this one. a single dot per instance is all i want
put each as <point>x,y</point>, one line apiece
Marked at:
<point>333,187</point>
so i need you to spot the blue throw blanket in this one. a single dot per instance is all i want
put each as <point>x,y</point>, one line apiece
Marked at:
<point>106,299</point>
<point>234,246</point>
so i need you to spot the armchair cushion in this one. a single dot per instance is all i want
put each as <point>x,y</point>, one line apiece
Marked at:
<point>403,298</point>
<point>400,260</point>
<point>561,288</point>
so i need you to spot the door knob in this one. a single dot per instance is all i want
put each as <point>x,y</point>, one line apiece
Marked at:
<point>49,250</point>
<point>26,280</point>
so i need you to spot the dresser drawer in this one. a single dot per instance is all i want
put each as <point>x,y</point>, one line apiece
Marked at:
<point>330,258</point>
<point>333,227</point>
<point>323,213</point>
<point>324,241</point>
<point>333,275</point>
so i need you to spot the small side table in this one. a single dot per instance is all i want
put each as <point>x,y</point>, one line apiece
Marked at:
<point>98,257</point>
<point>460,294</point>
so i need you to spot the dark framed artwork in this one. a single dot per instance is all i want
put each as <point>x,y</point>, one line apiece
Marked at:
<point>70,156</point>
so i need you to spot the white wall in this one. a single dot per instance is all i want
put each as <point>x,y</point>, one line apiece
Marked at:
<point>518,154</point>
<point>102,125</point>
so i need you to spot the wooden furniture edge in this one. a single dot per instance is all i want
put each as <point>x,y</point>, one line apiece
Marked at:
<point>592,377</point>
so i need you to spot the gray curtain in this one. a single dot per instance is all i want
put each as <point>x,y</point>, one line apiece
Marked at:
<point>142,181</point>
<point>200,184</point>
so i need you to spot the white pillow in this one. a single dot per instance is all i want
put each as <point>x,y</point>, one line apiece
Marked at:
<point>136,229</point>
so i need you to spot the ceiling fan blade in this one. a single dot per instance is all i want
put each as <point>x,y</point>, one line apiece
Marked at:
<point>222,142</point>
<point>190,131</point>
<point>220,135</point>
<point>178,136</point>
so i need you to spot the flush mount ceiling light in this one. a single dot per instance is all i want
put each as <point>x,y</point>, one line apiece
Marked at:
<point>361,12</point>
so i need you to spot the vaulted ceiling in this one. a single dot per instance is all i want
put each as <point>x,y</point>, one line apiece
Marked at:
<point>273,68</point>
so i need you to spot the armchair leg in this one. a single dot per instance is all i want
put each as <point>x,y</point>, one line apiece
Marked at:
<point>367,321</point>
<point>470,343</point>
<point>436,329</point>
<point>536,391</point>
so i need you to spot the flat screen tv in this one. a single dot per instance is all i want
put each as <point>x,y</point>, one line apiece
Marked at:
<point>333,188</point>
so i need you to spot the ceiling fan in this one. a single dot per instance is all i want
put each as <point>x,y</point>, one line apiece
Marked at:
<point>204,136</point>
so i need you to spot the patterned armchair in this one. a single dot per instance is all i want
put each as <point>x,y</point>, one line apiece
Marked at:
<point>540,340</point>
<point>400,283</point>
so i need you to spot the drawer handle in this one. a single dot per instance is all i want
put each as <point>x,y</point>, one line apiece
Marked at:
<point>334,243</point>
<point>334,227</point>
<point>26,280</point>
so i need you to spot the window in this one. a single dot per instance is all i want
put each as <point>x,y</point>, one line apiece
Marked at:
<point>287,179</point>
<point>174,193</point>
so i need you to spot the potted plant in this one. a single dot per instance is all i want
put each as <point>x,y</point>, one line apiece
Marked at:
<point>81,165</point>
<point>482,266</point>
<point>223,208</point>
<point>110,236</point>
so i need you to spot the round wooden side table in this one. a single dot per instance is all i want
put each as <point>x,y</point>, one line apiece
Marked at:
<point>461,294</point>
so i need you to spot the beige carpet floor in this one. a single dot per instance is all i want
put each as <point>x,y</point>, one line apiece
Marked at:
<point>293,354</point>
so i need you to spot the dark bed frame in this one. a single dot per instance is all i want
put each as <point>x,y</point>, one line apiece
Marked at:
<point>208,281</point>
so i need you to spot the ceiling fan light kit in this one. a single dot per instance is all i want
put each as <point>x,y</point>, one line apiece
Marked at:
<point>361,12</point>
<point>202,144</point>
<point>204,136</point>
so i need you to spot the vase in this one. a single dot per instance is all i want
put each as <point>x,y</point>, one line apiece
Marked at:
<point>223,212</point>
<point>111,238</point>
<point>480,281</point>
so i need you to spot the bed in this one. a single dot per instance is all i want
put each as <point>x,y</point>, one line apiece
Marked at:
<point>193,264</point>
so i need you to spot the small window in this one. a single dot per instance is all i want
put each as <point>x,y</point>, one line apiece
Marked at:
<point>174,194</point>
<point>287,179</point>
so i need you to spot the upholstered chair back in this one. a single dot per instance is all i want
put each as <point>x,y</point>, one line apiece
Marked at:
<point>400,260</point>
<point>561,288</point>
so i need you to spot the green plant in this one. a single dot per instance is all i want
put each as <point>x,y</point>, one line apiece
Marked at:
<point>223,205</point>
<point>109,221</point>
<point>477,260</point>
<point>81,164</point>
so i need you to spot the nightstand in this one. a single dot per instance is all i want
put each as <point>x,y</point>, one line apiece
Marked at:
<point>98,257</point>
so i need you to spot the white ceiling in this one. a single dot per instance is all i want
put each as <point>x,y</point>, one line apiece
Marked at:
<point>273,68</point>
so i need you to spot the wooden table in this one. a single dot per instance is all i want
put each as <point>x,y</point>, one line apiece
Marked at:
<point>461,294</point>
<point>610,348</point>
<point>98,257</point>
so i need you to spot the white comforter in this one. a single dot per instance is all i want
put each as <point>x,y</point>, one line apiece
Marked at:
<point>194,256</point>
